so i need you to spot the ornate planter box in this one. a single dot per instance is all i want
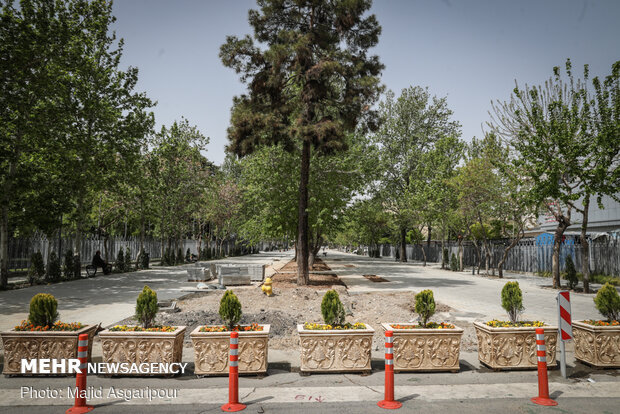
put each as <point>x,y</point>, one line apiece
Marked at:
<point>513,348</point>
<point>29,345</point>
<point>211,351</point>
<point>426,349</point>
<point>142,347</point>
<point>335,350</point>
<point>598,346</point>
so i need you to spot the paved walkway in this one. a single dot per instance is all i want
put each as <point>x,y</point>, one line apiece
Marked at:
<point>109,299</point>
<point>473,297</point>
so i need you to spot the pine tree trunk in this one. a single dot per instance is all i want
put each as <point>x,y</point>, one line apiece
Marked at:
<point>4,246</point>
<point>585,246</point>
<point>403,244</point>
<point>302,230</point>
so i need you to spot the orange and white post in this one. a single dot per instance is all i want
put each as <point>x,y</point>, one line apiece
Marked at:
<point>543,382</point>
<point>389,402</point>
<point>233,376</point>
<point>80,405</point>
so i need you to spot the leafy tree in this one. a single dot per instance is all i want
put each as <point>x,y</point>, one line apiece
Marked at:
<point>411,125</point>
<point>549,129</point>
<point>310,80</point>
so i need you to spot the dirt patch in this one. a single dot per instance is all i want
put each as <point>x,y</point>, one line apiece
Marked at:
<point>375,278</point>
<point>318,266</point>
<point>349,265</point>
<point>286,278</point>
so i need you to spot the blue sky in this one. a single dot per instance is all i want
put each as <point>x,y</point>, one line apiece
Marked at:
<point>471,51</point>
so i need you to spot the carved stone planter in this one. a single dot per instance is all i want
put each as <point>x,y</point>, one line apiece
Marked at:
<point>513,348</point>
<point>29,345</point>
<point>142,347</point>
<point>211,351</point>
<point>598,346</point>
<point>335,350</point>
<point>426,349</point>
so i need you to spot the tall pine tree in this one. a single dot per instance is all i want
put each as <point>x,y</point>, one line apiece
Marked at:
<point>310,81</point>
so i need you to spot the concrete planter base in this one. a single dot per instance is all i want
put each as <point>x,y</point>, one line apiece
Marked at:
<point>335,350</point>
<point>142,347</point>
<point>513,348</point>
<point>426,349</point>
<point>29,345</point>
<point>598,346</point>
<point>211,351</point>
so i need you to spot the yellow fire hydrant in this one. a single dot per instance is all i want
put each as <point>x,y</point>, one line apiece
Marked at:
<point>266,287</point>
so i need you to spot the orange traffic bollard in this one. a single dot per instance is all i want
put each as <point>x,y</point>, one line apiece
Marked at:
<point>233,376</point>
<point>80,405</point>
<point>389,402</point>
<point>543,381</point>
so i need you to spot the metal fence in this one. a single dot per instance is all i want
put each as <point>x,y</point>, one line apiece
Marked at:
<point>527,256</point>
<point>21,249</point>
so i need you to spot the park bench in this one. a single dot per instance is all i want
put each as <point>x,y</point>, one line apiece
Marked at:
<point>92,270</point>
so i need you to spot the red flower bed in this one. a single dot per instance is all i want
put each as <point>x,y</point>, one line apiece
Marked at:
<point>57,326</point>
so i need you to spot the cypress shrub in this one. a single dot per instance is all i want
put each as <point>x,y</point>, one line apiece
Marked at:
<point>607,301</point>
<point>425,305</point>
<point>444,258</point>
<point>230,309</point>
<point>188,255</point>
<point>332,309</point>
<point>512,300</point>
<point>43,310</point>
<point>120,261</point>
<point>128,264</point>
<point>571,272</point>
<point>53,268</point>
<point>37,268</point>
<point>454,264</point>
<point>68,265</point>
<point>146,307</point>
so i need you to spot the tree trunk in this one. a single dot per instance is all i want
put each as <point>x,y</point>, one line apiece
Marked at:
<point>302,230</point>
<point>4,246</point>
<point>403,244</point>
<point>585,246</point>
<point>443,265</point>
<point>460,253</point>
<point>563,223</point>
<point>428,238</point>
<point>77,257</point>
<point>500,266</point>
<point>423,254</point>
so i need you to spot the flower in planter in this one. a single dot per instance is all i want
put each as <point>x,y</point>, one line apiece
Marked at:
<point>254,327</point>
<point>333,315</point>
<point>131,328</point>
<point>43,316</point>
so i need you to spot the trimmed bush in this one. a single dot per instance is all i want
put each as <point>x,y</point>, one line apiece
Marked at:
<point>425,305</point>
<point>444,258</point>
<point>143,260</point>
<point>607,301</point>
<point>332,309</point>
<point>146,307</point>
<point>230,309</point>
<point>53,268</point>
<point>120,261</point>
<point>43,310</point>
<point>68,266</point>
<point>571,272</point>
<point>454,264</point>
<point>128,264</point>
<point>37,268</point>
<point>512,300</point>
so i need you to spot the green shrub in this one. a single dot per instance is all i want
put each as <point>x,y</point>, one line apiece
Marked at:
<point>37,268</point>
<point>120,261</point>
<point>68,266</point>
<point>180,257</point>
<point>512,300</point>
<point>53,268</point>
<point>454,264</point>
<point>43,310</point>
<point>444,258</point>
<point>146,307</point>
<point>230,309</point>
<point>571,272</point>
<point>143,260</point>
<point>332,309</point>
<point>425,305</point>
<point>607,302</point>
<point>188,255</point>
<point>128,264</point>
